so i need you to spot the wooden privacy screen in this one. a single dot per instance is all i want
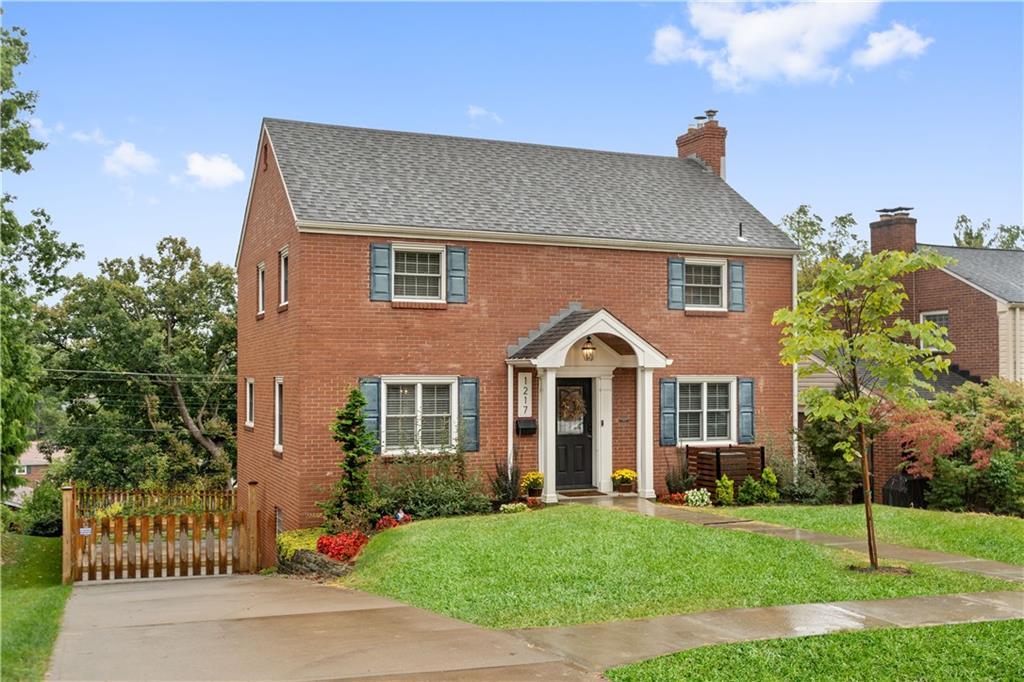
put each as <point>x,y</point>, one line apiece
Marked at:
<point>146,543</point>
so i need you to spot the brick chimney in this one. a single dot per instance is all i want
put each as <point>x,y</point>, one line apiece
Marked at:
<point>895,230</point>
<point>706,140</point>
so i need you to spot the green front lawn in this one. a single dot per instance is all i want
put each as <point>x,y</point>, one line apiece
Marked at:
<point>32,602</point>
<point>1000,538</point>
<point>575,564</point>
<point>976,651</point>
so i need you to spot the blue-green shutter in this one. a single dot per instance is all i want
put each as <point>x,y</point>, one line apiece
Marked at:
<point>380,272</point>
<point>370,387</point>
<point>469,413</point>
<point>676,284</point>
<point>669,415</point>
<point>746,407</point>
<point>458,274</point>
<point>737,279</point>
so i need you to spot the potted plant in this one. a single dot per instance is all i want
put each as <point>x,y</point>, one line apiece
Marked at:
<point>624,480</point>
<point>533,483</point>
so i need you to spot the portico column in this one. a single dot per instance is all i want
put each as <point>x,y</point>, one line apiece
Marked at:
<point>645,432</point>
<point>546,437</point>
<point>603,429</point>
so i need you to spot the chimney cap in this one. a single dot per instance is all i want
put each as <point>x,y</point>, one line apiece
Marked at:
<point>711,113</point>
<point>898,209</point>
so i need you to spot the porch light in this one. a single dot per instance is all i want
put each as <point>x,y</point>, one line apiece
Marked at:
<point>588,350</point>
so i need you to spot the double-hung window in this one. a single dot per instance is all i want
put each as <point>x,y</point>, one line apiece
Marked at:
<point>261,288</point>
<point>939,317</point>
<point>707,409</point>
<point>279,414</point>
<point>705,284</point>
<point>250,402</point>
<point>418,414</point>
<point>418,273</point>
<point>282,268</point>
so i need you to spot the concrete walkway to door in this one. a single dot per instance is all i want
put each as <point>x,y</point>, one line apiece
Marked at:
<point>276,628</point>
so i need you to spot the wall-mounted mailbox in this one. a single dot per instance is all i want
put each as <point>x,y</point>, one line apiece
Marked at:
<point>526,426</point>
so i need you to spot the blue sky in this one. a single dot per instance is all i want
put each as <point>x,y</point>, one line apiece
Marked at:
<point>152,110</point>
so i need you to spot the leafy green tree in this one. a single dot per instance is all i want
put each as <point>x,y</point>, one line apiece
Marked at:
<point>146,351</point>
<point>357,445</point>
<point>818,243</point>
<point>32,258</point>
<point>987,237</point>
<point>850,319</point>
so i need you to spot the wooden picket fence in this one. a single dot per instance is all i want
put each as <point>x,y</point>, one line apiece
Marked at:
<point>157,535</point>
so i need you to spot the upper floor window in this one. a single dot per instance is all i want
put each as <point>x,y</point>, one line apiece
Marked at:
<point>261,287</point>
<point>939,317</point>
<point>418,273</point>
<point>283,274</point>
<point>417,414</point>
<point>705,284</point>
<point>21,470</point>
<point>250,402</point>
<point>706,409</point>
<point>279,414</point>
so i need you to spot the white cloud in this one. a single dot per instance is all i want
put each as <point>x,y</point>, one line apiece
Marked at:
<point>214,170</point>
<point>41,131</point>
<point>127,159</point>
<point>476,112</point>
<point>741,45</point>
<point>886,46</point>
<point>95,136</point>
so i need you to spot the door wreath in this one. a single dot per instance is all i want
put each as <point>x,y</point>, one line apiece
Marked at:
<point>571,406</point>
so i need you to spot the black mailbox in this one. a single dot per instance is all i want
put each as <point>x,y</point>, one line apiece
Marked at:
<point>526,426</point>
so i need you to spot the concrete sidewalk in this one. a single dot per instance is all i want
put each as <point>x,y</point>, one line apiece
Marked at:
<point>955,562</point>
<point>599,646</point>
<point>275,628</point>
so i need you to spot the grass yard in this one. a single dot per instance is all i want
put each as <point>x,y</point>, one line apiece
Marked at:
<point>976,651</point>
<point>984,536</point>
<point>32,603</point>
<point>574,564</point>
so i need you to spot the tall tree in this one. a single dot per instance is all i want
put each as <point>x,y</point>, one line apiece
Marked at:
<point>33,258</point>
<point>148,347</point>
<point>985,236</point>
<point>850,320</point>
<point>818,242</point>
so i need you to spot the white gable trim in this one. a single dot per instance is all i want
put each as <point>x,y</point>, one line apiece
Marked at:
<point>264,133</point>
<point>603,322</point>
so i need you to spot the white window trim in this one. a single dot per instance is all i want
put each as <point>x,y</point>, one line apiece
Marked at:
<point>278,415</point>
<point>733,409</point>
<point>452,381</point>
<point>250,401</point>
<point>925,313</point>
<point>21,470</point>
<point>724,265</point>
<point>422,248</point>
<point>281,256</point>
<point>261,288</point>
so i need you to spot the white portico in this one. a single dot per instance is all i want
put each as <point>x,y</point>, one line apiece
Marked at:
<point>575,356</point>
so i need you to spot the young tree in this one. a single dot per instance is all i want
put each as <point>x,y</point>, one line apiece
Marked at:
<point>818,243</point>
<point>357,445</point>
<point>985,236</point>
<point>30,270</point>
<point>850,320</point>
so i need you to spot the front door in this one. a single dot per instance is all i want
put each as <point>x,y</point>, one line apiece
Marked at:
<point>573,435</point>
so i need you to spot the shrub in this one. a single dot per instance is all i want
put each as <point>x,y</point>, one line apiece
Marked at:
<point>350,517</point>
<point>533,480</point>
<point>429,488</point>
<point>724,491</point>
<point>673,498</point>
<point>357,445</point>
<point>505,483</point>
<point>950,482</point>
<point>677,480</point>
<point>514,508</point>
<point>800,487</point>
<point>698,497</point>
<point>42,512</point>
<point>1001,484</point>
<point>749,492</point>
<point>769,486</point>
<point>343,546</point>
<point>291,541</point>
<point>816,441</point>
<point>623,477</point>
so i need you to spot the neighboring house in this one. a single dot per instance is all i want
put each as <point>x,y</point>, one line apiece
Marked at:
<point>32,466</point>
<point>575,310</point>
<point>979,299</point>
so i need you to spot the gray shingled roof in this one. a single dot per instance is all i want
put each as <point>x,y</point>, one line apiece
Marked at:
<point>553,334</point>
<point>381,177</point>
<point>997,271</point>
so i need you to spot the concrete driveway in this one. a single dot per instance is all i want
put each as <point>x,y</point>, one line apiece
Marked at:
<point>276,628</point>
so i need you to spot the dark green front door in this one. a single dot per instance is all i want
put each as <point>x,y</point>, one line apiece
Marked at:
<point>574,439</point>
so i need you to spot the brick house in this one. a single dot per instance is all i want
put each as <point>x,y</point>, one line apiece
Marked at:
<point>578,311</point>
<point>979,298</point>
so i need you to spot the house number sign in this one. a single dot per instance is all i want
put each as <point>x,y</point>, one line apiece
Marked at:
<point>525,394</point>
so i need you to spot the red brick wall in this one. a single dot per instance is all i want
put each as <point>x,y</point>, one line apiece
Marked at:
<point>707,142</point>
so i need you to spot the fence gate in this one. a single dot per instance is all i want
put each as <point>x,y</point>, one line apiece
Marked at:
<point>117,535</point>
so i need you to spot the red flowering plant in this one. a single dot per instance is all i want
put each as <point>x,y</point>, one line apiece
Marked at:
<point>343,546</point>
<point>386,522</point>
<point>673,498</point>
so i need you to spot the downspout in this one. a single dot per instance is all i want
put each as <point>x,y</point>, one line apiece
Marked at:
<point>796,388</point>
<point>511,403</point>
